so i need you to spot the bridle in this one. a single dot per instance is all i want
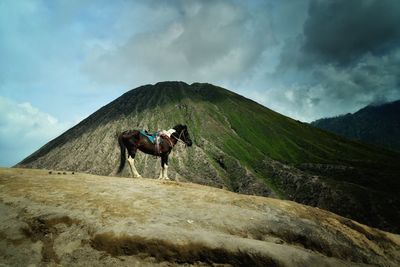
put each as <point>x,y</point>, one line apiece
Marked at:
<point>179,137</point>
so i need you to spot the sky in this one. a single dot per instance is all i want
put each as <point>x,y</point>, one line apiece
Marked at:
<point>62,60</point>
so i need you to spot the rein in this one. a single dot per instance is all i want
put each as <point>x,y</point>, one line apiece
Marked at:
<point>168,140</point>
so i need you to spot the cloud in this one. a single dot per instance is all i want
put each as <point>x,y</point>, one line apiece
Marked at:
<point>346,56</point>
<point>23,129</point>
<point>213,41</point>
<point>328,90</point>
<point>307,59</point>
<point>342,31</point>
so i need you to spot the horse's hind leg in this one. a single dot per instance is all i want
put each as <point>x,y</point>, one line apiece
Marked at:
<point>131,161</point>
<point>161,173</point>
<point>162,169</point>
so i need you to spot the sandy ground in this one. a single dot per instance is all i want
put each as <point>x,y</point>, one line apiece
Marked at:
<point>65,219</point>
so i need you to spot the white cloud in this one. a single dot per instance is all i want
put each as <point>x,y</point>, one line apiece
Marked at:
<point>23,129</point>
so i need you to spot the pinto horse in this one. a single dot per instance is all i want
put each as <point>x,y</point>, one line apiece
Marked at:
<point>132,140</point>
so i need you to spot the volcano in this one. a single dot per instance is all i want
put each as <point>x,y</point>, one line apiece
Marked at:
<point>238,145</point>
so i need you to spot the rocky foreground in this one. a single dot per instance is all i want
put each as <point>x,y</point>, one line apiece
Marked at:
<point>52,219</point>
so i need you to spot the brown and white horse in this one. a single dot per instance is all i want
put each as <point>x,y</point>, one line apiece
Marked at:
<point>132,140</point>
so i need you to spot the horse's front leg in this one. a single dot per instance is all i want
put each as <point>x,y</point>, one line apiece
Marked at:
<point>131,161</point>
<point>164,167</point>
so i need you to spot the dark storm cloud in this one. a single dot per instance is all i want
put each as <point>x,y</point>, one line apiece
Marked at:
<point>346,56</point>
<point>342,31</point>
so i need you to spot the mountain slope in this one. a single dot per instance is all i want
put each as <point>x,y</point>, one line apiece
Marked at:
<point>239,145</point>
<point>379,125</point>
<point>86,220</point>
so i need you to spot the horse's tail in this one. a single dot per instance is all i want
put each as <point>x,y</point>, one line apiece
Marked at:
<point>123,153</point>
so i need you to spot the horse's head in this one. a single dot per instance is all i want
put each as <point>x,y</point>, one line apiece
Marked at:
<point>183,134</point>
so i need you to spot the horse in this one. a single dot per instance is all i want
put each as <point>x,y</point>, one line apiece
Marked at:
<point>132,140</point>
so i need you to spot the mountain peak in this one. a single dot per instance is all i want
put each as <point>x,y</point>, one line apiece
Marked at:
<point>171,83</point>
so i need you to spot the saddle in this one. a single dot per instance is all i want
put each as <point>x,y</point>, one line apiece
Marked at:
<point>151,136</point>
<point>156,138</point>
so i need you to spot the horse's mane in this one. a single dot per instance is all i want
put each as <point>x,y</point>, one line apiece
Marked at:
<point>179,127</point>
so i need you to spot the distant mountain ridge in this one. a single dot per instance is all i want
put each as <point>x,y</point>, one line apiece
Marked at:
<point>238,145</point>
<point>374,124</point>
